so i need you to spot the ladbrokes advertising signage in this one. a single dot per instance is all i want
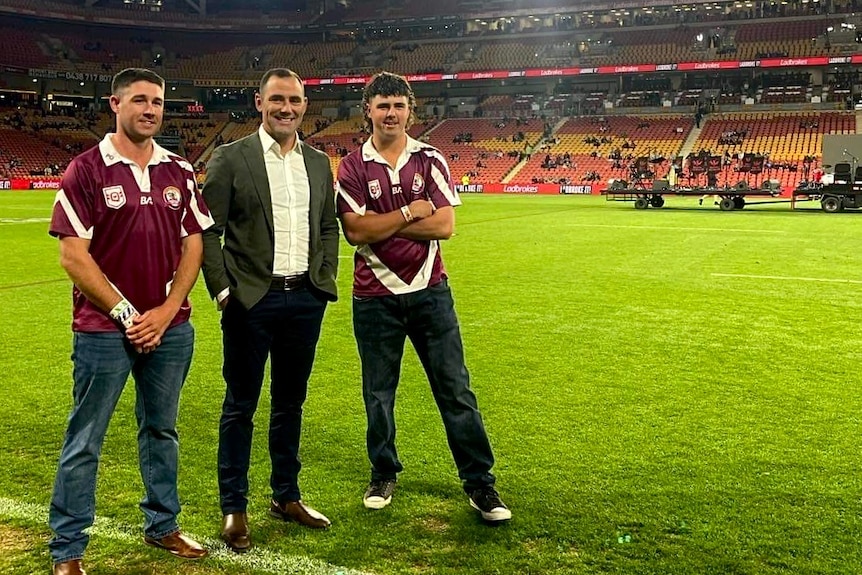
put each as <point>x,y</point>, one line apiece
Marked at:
<point>523,189</point>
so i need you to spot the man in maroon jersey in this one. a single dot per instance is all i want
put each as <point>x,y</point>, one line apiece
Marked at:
<point>396,201</point>
<point>129,219</point>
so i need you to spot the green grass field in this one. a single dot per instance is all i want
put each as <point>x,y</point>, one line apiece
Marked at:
<point>667,391</point>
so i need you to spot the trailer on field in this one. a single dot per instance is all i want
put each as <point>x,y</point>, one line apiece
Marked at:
<point>730,198</point>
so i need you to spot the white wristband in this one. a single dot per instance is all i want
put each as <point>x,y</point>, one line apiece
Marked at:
<point>405,211</point>
<point>123,313</point>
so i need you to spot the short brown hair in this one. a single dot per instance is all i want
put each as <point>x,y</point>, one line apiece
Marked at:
<point>129,76</point>
<point>279,73</point>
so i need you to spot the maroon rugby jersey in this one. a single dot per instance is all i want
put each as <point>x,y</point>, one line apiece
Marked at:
<point>135,221</point>
<point>366,182</point>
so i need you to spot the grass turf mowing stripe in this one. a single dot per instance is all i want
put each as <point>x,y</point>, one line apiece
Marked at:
<point>258,558</point>
<point>24,220</point>
<point>788,278</point>
<point>678,228</point>
<point>31,284</point>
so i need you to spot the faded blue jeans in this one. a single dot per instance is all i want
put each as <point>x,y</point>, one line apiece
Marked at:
<point>102,363</point>
<point>381,325</point>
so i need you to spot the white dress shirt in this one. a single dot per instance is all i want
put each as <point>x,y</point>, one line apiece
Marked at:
<point>288,188</point>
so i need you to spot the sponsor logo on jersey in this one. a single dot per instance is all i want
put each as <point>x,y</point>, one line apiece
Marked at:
<point>396,189</point>
<point>146,200</point>
<point>173,198</point>
<point>418,183</point>
<point>374,189</point>
<point>115,197</point>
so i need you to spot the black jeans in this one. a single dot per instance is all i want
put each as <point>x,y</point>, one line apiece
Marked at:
<point>284,325</point>
<point>427,317</point>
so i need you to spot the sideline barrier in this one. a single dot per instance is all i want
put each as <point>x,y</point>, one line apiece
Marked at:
<point>547,189</point>
<point>30,184</point>
<point>586,189</point>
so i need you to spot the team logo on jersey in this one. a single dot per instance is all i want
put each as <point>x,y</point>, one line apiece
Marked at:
<point>374,189</point>
<point>172,197</point>
<point>418,183</point>
<point>115,197</point>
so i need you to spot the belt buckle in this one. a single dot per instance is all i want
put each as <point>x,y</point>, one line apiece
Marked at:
<point>293,283</point>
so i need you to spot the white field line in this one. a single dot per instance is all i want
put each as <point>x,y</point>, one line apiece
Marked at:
<point>24,220</point>
<point>675,228</point>
<point>789,278</point>
<point>28,208</point>
<point>258,558</point>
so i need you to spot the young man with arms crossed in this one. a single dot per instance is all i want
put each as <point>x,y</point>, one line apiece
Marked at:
<point>396,201</point>
<point>129,219</point>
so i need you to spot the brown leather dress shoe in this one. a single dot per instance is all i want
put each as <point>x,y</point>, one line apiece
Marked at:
<point>178,544</point>
<point>71,567</point>
<point>299,512</point>
<point>234,532</point>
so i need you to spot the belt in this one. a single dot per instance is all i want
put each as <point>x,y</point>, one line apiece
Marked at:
<point>288,283</point>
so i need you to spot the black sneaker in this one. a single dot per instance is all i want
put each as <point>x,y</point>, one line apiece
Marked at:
<point>487,501</point>
<point>379,493</point>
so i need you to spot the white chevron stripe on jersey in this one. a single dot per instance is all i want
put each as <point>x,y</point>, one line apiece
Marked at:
<point>85,233</point>
<point>392,282</point>
<point>357,209</point>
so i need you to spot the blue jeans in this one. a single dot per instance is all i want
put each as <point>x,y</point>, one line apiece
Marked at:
<point>427,317</point>
<point>284,326</point>
<point>102,363</point>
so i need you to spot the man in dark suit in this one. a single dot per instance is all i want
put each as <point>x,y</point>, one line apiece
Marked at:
<point>272,198</point>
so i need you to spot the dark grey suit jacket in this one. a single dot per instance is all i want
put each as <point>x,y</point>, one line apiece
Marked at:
<point>237,193</point>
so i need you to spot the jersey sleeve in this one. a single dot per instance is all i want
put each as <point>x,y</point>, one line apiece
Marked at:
<point>196,215</point>
<point>441,191</point>
<point>74,204</point>
<point>350,188</point>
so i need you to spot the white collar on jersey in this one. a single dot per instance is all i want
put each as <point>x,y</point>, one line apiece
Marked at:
<point>111,156</point>
<point>370,153</point>
<point>268,142</point>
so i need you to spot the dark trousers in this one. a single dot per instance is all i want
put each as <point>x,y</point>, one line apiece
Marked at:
<point>284,325</point>
<point>427,317</point>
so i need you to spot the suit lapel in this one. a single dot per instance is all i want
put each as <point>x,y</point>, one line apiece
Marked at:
<point>314,199</point>
<point>253,154</point>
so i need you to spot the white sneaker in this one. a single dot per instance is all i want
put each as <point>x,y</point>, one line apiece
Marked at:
<point>379,493</point>
<point>487,501</point>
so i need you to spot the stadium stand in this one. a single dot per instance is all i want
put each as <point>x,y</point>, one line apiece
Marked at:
<point>518,130</point>
<point>485,150</point>
<point>783,139</point>
<point>596,149</point>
